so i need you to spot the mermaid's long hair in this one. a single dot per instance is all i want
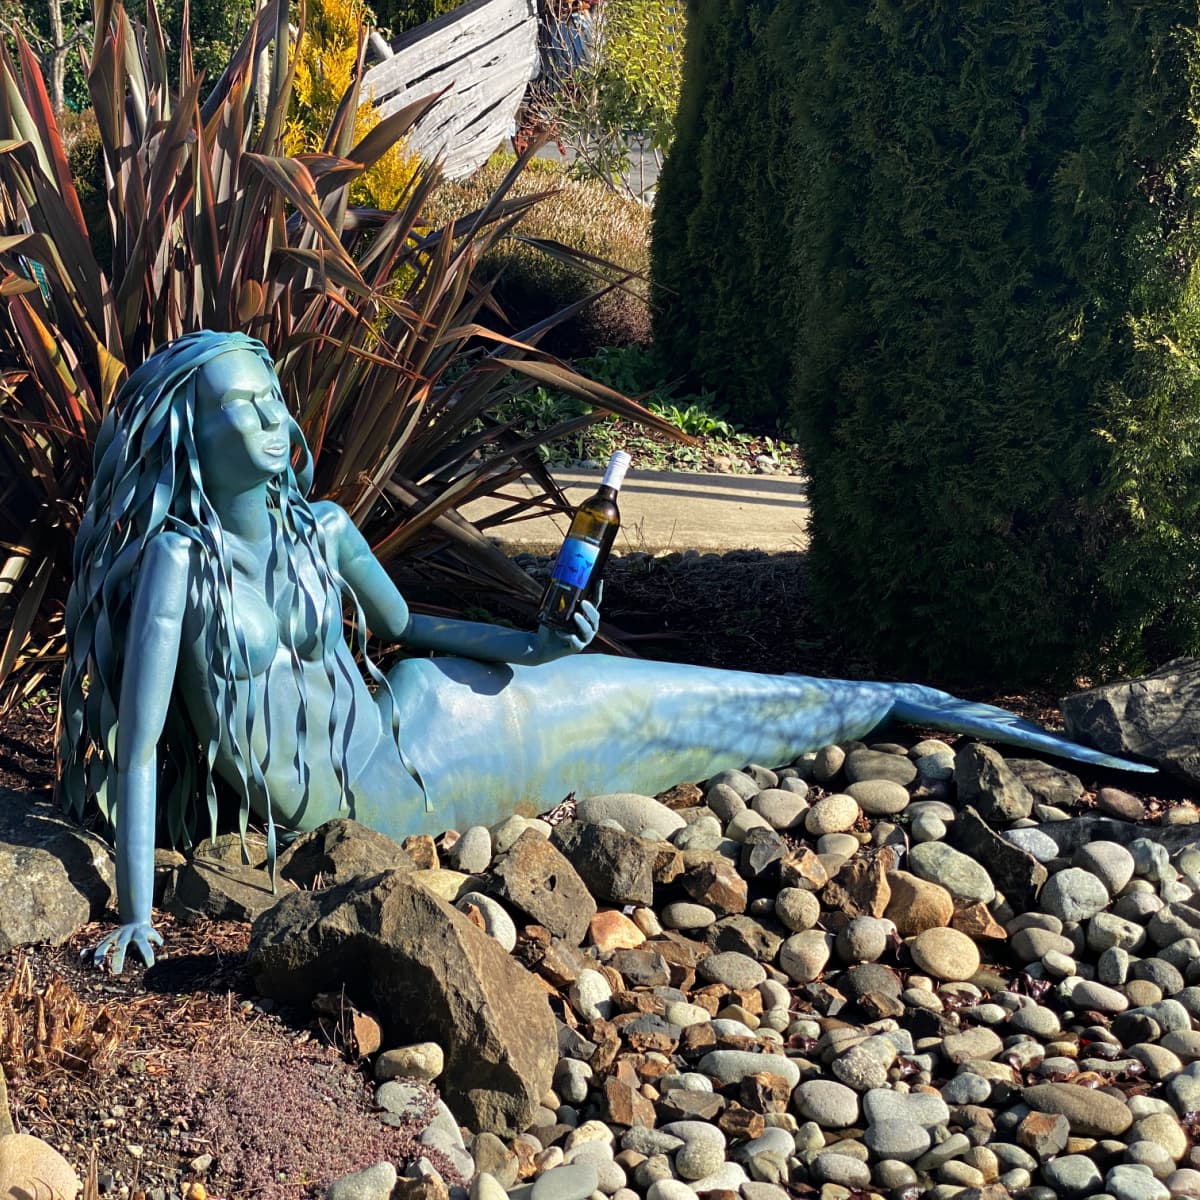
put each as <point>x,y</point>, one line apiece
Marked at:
<point>147,481</point>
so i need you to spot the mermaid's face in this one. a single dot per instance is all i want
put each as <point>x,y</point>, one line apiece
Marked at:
<point>241,423</point>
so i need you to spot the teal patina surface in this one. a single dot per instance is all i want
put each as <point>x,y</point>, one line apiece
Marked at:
<point>207,641</point>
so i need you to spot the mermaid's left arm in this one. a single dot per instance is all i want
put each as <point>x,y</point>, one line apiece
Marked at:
<point>388,614</point>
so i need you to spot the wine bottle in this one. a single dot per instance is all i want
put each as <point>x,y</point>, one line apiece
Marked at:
<point>581,560</point>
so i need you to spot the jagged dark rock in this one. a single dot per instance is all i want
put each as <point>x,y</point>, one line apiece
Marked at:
<point>54,876</point>
<point>1156,717</point>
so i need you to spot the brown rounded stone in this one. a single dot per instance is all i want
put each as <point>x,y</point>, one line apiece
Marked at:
<point>29,1166</point>
<point>945,954</point>
<point>917,905</point>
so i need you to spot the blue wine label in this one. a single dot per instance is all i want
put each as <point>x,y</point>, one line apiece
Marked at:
<point>575,562</point>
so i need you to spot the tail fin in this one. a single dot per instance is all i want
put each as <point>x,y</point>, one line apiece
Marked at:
<point>926,706</point>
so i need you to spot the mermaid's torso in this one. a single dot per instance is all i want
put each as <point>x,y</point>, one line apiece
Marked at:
<point>315,729</point>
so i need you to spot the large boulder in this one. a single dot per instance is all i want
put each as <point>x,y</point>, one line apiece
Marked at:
<point>54,876</point>
<point>431,974</point>
<point>224,879</point>
<point>1156,717</point>
<point>223,891</point>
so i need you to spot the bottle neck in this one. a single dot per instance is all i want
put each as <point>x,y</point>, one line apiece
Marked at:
<point>614,473</point>
<point>606,492</point>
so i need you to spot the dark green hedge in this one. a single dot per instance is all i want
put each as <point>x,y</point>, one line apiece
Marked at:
<point>716,244</point>
<point>992,301</point>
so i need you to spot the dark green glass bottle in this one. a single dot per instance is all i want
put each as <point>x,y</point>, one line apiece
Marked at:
<point>580,562</point>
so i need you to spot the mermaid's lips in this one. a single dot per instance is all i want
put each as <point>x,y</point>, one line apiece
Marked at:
<point>276,447</point>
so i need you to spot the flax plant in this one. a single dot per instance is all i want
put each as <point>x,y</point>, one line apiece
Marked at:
<point>374,318</point>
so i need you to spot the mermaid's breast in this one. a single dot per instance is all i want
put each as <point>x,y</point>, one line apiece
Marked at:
<point>257,629</point>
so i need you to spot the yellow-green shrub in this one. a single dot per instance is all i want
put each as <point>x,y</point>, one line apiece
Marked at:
<point>325,64</point>
<point>85,156</point>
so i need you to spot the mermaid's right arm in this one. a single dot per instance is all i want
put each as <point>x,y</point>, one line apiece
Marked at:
<point>152,656</point>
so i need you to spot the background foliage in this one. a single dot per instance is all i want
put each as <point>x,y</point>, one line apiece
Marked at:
<point>326,65</point>
<point>398,16</point>
<point>32,17</point>
<point>625,91</point>
<point>531,276</point>
<point>990,297</point>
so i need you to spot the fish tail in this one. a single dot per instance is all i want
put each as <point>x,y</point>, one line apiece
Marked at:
<point>917,705</point>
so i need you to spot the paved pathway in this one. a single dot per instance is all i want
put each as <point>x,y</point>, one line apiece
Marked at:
<point>663,511</point>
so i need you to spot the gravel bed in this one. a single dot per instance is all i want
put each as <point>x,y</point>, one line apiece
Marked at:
<point>892,970</point>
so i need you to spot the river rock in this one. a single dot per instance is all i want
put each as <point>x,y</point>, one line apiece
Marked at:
<point>472,853</point>
<point>916,904</point>
<point>960,875</point>
<point>780,809</point>
<point>1091,1113</point>
<point>496,921</point>
<point>732,1066</point>
<point>1034,842</point>
<point>641,815</point>
<point>30,1167</point>
<point>898,1139</point>
<point>834,814</point>
<point>945,954</point>
<point>1131,1181</point>
<point>879,797</point>
<point>831,1104</point>
<point>371,1183</point>
<point>1074,895</point>
<point>416,957</point>
<point>803,956</point>
<point>1110,862</point>
<point>926,1109</point>
<point>1073,1175</point>
<point>863,765</point>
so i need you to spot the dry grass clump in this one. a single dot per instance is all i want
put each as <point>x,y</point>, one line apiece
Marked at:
<point>581,214</point>
<point>43,1029</point>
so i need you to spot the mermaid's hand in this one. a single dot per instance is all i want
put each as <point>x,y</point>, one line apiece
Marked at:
<point>557,643</point>
<point>140,934</point>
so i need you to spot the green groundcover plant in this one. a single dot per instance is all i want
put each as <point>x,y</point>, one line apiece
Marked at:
<point>374,318</point>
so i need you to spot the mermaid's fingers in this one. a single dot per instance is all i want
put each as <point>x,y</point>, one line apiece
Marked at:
<point>141,935</point>
<point>143,943</point>
<point>587,623</point>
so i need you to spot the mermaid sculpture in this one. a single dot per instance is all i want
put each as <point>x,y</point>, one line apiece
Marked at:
<point>206,639</point>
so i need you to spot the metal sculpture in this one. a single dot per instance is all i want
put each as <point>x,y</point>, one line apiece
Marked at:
<point>207,640</point>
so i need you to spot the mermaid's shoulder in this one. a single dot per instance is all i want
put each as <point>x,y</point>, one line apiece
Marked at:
<point>333,518</point>
<point>173,546</point>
